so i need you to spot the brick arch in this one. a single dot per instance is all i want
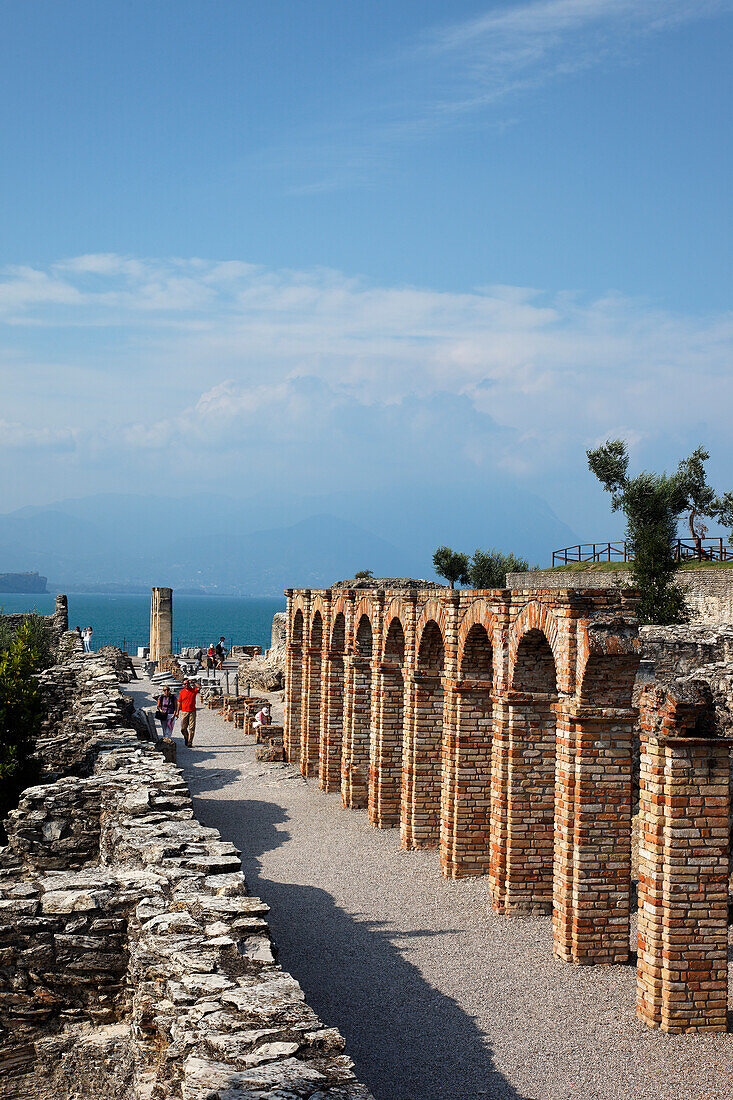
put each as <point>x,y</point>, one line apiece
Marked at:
<point>435,611</point>
<point>338,645</point>
<point>296,612</point>
<point>395,609</point>
<point>535,616</point>
<point>478,614</point>
<point>319,604</point>
<point>340,604</point>
<point>317,613</point>
<point>365,607</point>
<point>299,603</point>
<point>394,619</point>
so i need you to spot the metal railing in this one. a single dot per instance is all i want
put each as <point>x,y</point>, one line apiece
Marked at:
<point>719,549</point>
<point>130,643</point>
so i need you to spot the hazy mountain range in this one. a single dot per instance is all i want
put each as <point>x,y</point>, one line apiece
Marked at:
<point>260,545</point>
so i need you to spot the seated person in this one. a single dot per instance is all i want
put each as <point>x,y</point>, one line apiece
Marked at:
<point>263,716</point>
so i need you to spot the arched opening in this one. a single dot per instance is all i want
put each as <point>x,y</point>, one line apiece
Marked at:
<point>310,744</point>
<point>355,757</point>
<point>465,839</point>
<point>422,763</point>
<point>294,690</point>
<point>332,726</point>
<point>531,791</point>
<point>385,758</point>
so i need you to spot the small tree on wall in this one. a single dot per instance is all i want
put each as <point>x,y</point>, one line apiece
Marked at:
<point>451,565</point>
<point>653,504</point>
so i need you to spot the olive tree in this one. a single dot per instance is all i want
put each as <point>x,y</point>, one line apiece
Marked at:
<point>653,504</point>
<point>451,565</point>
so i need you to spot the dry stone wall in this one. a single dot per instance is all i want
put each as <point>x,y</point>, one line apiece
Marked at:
<point>58,622</point>
<point>133,962</point>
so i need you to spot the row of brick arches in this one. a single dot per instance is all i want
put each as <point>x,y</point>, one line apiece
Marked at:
<point>496,726</point>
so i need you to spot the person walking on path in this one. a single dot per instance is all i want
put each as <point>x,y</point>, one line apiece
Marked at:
<point>186,707</point>
<point>166,711</point>
<point>221,653</point>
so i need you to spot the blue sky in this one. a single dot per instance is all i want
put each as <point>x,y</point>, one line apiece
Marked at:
<point>363,240</point>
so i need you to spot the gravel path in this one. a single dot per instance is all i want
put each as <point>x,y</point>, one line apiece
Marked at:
<point>438,997</point>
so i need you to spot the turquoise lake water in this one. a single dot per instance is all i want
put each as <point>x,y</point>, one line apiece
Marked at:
<point>197,620</point>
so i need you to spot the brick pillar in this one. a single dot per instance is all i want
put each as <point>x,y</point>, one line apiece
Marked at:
<point>161,623</point>
<point>592,880</point>
<point>385,761</point>
<point>332,720</point>
<point>293,688</point>
<point>682,973</point>
<point>421,767</point>
<point>311,725</point>
<point>357,724</point>
<point>466,803</point>
<point>522,802</point>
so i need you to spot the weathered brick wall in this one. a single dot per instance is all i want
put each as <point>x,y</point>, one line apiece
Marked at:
<point>141,968</point>
<point>682,971</point>
<point>709,591</point>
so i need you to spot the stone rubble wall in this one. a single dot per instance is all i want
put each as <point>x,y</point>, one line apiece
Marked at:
<point>709,591</point>
<point>133,962</point>
<point>267,672</point>
<point>58,622</point>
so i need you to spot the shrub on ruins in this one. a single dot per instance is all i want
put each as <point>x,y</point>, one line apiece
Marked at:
<point>363,575</point>
<point>653,504</point>
<point>451,565</point>
<point>488,568</point>
<point>39,638</point>
<point>21,711</point>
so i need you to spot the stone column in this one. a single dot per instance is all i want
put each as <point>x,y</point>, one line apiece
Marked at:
<point>161,623</point>
<point>682,972</point>
<point>61,616</point>
<point>592,879</point>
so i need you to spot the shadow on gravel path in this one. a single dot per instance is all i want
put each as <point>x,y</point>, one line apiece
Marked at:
<point>409,1040</point>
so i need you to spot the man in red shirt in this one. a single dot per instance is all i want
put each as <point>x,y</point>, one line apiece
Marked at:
<point>187,710</point>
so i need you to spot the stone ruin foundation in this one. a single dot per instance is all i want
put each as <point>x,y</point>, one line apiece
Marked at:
<point>500,727</point>
<point>133,963</point>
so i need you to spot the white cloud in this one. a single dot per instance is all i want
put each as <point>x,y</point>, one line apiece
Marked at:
<point>16,436</point>
<point>306,371</point>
